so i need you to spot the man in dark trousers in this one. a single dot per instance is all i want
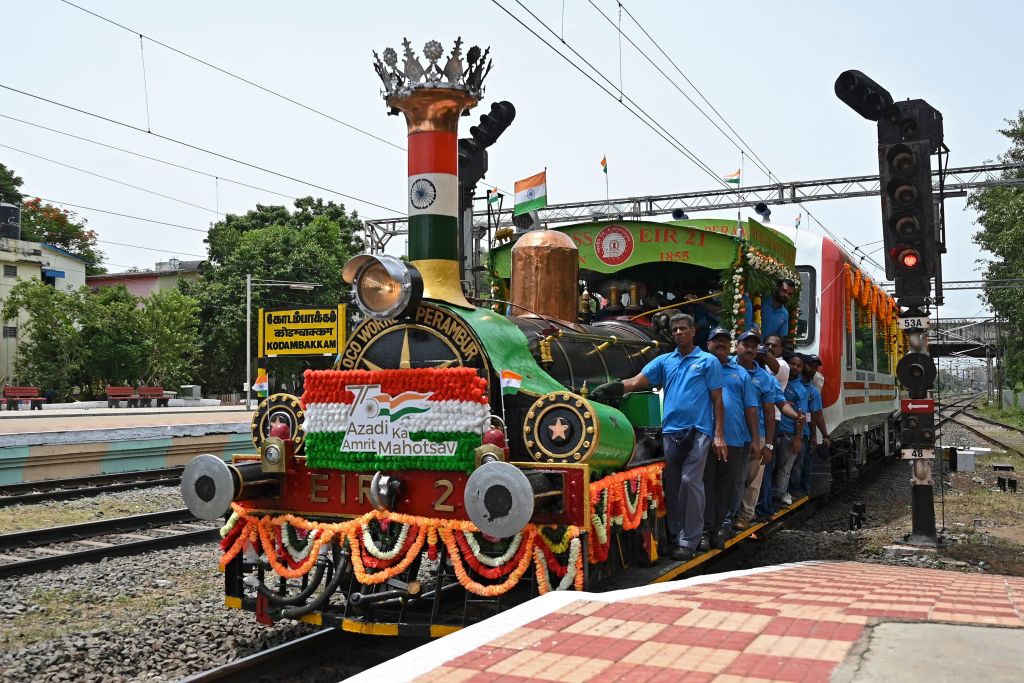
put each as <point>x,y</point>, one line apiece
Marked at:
<point>740,402</point>
<point>693,418</point>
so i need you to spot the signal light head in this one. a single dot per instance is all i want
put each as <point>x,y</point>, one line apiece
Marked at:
<point>906,227</point>
<point>905,194</point>
<point>909,258</point>
<point>862,94</point>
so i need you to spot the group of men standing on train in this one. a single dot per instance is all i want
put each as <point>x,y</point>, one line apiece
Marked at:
<point>737,427</point>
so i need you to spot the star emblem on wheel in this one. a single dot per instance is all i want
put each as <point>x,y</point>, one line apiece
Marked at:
<point>558,429</point>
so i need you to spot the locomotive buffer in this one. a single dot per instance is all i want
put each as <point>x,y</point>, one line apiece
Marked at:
<point>909,133</point>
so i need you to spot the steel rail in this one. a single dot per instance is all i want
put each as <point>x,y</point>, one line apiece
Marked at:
<point>74,532</point>
<point>95,554</point>
<point>274,662</point>
<point>988,437</point>
<point>30,492</point>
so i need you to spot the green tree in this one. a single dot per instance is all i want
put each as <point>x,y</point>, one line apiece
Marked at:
<point>1001,218</point>
<point>10,185</point>
<point>45,223</point>
<point>309,244</point>
<point>114,350</point>
<point>50,353</point>
<point>169,322</point>
<point>89,339</point>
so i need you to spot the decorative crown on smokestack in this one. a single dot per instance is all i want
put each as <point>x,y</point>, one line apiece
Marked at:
<point>413,75</point>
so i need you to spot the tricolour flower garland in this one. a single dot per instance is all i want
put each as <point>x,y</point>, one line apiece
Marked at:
<point>379,554</point>
<point>457,405</point>
<point>755,274</point>
<point>622,499</point>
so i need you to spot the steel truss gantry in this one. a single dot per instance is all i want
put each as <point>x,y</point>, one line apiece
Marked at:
<point>957,182</point>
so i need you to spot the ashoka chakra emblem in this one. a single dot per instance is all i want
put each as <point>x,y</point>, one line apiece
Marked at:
<point>422,194</point>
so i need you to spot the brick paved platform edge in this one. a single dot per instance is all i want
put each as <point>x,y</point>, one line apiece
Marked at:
<point>434,654</point>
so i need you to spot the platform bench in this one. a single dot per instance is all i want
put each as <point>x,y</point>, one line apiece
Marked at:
<point>147,395</point>
<point>117,394</point>
<point>13,396</point>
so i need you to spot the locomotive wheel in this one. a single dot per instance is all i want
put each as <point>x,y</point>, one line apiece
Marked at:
<point>279,407</point>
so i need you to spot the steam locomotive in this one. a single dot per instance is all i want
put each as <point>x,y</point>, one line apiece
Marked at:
<point>452,464</point>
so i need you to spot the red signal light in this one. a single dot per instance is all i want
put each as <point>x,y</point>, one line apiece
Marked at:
<point>910,259</point>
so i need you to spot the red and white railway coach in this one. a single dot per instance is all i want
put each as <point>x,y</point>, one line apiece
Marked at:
<point>860,393</point>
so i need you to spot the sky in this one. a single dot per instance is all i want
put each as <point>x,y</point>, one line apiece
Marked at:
<point>768,68</point>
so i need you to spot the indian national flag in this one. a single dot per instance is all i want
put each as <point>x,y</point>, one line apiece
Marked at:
<point>531,193</point>
<point>733,178</point>
<point>262,383</point>
<point>406,403</point>
<point>510,382</point>
<point>604,164</point>
<point>492,195</point>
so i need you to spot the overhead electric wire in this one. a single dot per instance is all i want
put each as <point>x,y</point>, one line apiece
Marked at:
<point>162,251</point>
<point>230,74</point>
<point>698,91</point>
<point>146,156</point>
<point>113,180</point>
<point>122,215</point>
<point>197,148</point>
<point>622,34</point>
<point>652,123</point>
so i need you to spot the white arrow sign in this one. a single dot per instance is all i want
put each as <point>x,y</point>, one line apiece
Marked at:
<point>915,406</point>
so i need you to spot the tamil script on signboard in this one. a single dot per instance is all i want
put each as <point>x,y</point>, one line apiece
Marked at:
<point>301,331</point>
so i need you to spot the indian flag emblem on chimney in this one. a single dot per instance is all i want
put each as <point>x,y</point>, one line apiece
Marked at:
<point>510,382</point>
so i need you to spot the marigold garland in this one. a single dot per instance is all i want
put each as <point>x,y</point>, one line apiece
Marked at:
<point>609,504</point>
<point>628,497</point>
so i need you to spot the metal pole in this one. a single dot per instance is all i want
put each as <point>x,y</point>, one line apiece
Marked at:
<point>248,339</point>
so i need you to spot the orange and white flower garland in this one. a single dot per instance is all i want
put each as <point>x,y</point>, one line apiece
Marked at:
<point>613,501</point>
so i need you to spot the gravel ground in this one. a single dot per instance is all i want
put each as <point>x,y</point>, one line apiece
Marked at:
<point>983,524</point>
<point>152,617</point>
<point>106,506</point>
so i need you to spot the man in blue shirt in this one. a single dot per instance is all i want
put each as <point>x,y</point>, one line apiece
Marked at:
<point>800,479</point>
<point>774,313</point>
<point>790,431</point>
<point>693,417</point>
<point>740,403</point>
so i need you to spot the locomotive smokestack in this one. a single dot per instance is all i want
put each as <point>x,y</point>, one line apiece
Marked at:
<point>545,267</point>
<point>433,97</point>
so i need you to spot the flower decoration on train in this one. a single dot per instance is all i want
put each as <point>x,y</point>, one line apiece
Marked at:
<point>363,420</point>
<point>383,544</point>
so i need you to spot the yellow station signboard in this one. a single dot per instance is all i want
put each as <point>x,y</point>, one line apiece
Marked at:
<point>301,331</point>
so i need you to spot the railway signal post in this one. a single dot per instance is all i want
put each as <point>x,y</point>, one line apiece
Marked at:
<point>909,133</point>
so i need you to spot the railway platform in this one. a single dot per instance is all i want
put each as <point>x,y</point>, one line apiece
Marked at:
<point>82,442</point>
<point>814,621</point>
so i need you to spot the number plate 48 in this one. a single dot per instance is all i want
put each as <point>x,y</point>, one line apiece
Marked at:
<point>918,454</point>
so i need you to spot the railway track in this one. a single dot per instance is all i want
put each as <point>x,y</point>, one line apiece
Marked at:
<point>28,552</point>
<point>1005,436</point>
<point>30,492</point>
<point>276,662</point>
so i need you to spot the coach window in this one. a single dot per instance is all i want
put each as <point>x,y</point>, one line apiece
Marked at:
<point>805,327</point>
<point>864,338</point>
<point>881,357</point>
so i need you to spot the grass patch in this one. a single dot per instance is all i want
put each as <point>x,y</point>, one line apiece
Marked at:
<point>1010,415</point>
<point>42,515</point>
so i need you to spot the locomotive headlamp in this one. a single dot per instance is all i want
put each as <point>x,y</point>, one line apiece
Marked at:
<point>273,456</point>
<point>384,286</point>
